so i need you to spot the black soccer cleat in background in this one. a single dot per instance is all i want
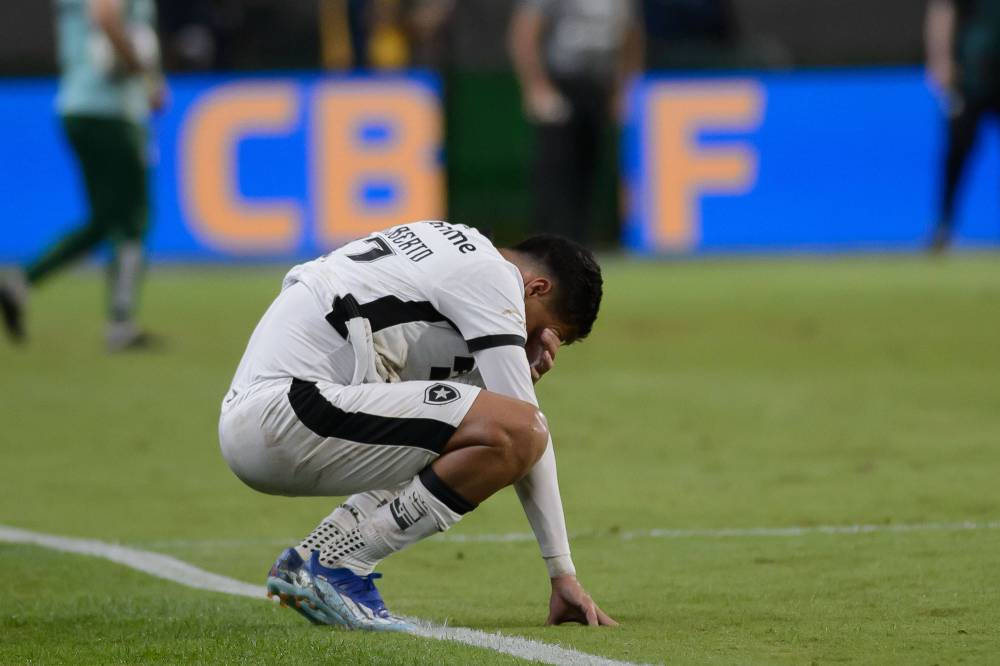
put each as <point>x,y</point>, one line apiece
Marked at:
<point>13,315</point>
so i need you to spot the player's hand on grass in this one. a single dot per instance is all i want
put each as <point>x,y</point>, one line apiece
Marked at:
<point>571,603</point>
<point>542,351</point>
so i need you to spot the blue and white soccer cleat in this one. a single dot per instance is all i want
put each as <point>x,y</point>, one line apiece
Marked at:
<point>285,581</point>
<point>342,598</point>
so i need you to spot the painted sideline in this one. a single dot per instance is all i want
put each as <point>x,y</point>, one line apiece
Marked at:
<point>174,570</point>
<point>628,535</point>
<point>729,532</point>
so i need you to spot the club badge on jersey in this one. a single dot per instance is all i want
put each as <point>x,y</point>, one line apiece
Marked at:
<point>441,394</point>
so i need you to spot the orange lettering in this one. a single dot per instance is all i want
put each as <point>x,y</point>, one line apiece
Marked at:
<point>399,154</point>
<point>680,170</point>
<point>209,171</point>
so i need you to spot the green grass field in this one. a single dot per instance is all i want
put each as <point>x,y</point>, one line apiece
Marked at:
<point>737,394</point>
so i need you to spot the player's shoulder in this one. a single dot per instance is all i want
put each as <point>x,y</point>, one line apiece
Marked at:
<point>477,253</point>
<point>447,246</point>
<point>461,257</point>
<point>466,240</point>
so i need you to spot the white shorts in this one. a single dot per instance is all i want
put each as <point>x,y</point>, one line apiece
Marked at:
<point>292,423</point>
<point>297,437</point>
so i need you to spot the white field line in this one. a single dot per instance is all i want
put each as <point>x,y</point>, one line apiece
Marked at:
<point>817,529</point>
<point>628,535</point>
<point>174,570</point>
<point>729,532</point>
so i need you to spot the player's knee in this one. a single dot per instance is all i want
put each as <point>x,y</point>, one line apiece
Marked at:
<point>527,437</point>
<point>515,434</point>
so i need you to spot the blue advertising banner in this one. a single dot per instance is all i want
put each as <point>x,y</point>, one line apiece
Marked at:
<point>818,161</point>
<point>245,167</point>
<point>290,167</point>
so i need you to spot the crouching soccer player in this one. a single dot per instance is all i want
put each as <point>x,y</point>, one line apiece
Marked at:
<point>398,370</point>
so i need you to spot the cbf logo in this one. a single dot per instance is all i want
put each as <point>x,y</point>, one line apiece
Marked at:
<point>440,394</point>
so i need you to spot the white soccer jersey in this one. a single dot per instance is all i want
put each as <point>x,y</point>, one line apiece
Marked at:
<point>421,301</point>
<point>432,293</point>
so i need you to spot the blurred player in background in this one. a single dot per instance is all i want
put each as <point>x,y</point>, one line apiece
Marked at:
<point>399,370</point>
<point>963,61</point>
<point>383,34</point>
<point>110,81</point>
<point>573,59</point>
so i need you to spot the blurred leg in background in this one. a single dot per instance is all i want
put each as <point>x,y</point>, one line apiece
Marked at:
<point>555,164</point>
<point>127,235</point>
<point>568,153</point>
<point>89,138</point>
<point>963,126</point>
<point>963,63</point>
<point>111,155</point>
<point>359,27</point>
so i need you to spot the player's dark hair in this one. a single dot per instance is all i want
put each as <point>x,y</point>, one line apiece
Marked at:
<point>577,277</point>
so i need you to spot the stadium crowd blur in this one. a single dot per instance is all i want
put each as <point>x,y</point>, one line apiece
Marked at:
<point>573,57</point>
<point>573,60</point>
<point>342,34</point>
<point>494,176</point>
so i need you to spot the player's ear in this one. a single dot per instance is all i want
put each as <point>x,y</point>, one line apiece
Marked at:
<point>539,286</point>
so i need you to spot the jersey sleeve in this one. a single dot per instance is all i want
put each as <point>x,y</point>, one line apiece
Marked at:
<point>485,302</point>
<point>505,370</point>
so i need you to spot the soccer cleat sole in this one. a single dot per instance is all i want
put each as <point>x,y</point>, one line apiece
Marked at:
<point>290,596</point>
<point>318,610</point>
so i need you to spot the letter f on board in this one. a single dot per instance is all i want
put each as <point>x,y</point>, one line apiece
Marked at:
<point>681,171</point>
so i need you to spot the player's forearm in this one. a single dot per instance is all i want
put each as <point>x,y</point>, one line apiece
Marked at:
<point>539,495</point>
<point>505,370</point>
<point>939,31</point>
<point>107,15</point>
<point>525,45</point>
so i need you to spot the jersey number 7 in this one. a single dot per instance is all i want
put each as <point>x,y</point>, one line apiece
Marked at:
<point>380,251</point>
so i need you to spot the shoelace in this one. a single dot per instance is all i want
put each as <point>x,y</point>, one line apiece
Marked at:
<point>362,589</point>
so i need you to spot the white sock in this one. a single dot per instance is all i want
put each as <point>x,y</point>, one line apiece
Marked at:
<point>125,275</point>
<point>343,519</point>
<point>415,514</point>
